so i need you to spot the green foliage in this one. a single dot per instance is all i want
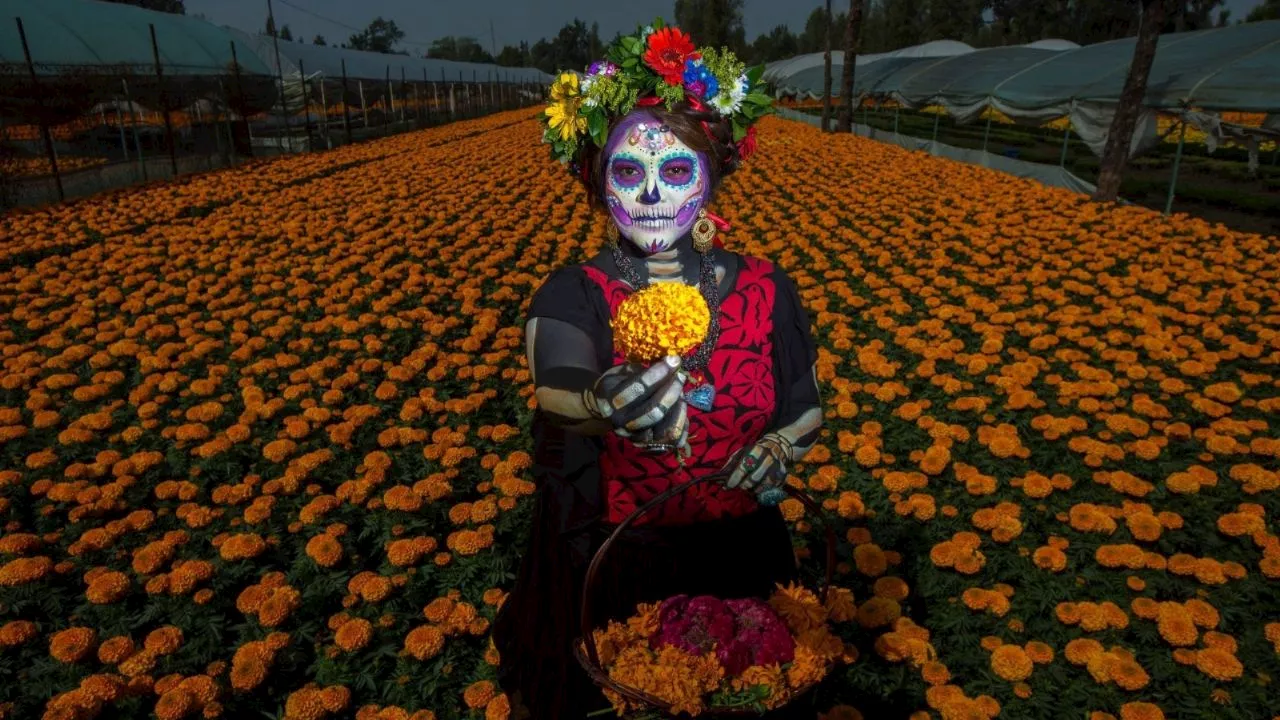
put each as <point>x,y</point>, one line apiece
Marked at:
<point>380,36</point>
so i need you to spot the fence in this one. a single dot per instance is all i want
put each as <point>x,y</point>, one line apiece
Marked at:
<point>74,130</point>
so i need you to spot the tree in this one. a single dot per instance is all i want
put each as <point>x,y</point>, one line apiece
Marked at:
<point>1115,156</point>
<point>462,49</point>
<point>286,33</point>
<point>851,30</point>
<point>169,6</point>
<point>512,56</point>
<point>778,44</point>
<point>953,20</point>
<point>826,75</point>
<point>713,23</point>
<point>319,40</point>
<point>814,37</point>
<point>271,27</point>
<point>570,49</point>
<point>1268,10</point>
<point>904,20</point>
<point>380,37</point>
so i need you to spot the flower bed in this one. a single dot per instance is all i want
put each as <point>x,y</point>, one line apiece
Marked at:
<point>266,456</point>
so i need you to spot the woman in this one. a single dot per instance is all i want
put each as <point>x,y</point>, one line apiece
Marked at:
<point>610,435</point>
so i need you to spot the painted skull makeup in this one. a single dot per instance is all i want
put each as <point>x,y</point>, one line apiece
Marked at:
<point>654,183</point>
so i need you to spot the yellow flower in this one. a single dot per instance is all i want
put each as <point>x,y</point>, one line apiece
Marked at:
<point>660,320</point>
<point>563,111</point>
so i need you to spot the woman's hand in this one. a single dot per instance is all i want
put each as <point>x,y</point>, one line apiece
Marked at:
<point>761,468</point>
<point>645,404</point>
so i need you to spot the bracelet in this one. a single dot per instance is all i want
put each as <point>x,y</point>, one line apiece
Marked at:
<point>592,407</point>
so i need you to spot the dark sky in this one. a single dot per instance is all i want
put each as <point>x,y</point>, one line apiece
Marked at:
<point>513,20</point>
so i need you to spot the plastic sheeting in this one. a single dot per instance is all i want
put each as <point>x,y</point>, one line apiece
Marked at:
<point>1230,68</point>
<point>371,66</point>
<point>84,34</point>
<point>1051,175</point>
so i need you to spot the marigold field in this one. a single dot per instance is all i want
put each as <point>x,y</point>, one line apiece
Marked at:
<point>264,453</point>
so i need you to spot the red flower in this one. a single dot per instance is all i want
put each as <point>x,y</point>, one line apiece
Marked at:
<point>747,145</point>
<point>667,52</point>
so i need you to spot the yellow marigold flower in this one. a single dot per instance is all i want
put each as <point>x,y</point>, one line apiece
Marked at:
<point>661,320</point>
<point>1219,664</point>
<point>1141,711</point>
<point>424,642</point>
<point>324,549</point>
<point>16,632</point>
<point>72,644</point>
<point>478,694</point>
<point>798,607</point>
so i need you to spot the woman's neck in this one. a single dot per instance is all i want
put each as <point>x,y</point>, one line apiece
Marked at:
<point>678,262</point>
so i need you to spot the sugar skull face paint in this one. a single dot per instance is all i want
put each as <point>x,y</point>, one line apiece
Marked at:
<point>654,183</point>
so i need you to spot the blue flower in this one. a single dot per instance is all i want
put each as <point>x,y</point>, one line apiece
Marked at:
<point>699,81</point>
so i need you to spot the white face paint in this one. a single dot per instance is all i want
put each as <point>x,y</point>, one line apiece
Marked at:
<point>654,183</point>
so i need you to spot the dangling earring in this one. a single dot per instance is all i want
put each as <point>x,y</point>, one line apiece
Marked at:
<point>704,232</point>
<point>611,233</point>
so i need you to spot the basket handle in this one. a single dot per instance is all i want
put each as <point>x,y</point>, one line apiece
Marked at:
<point>588,640</point>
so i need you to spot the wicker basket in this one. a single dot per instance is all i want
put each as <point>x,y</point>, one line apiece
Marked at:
<point>585,651</point>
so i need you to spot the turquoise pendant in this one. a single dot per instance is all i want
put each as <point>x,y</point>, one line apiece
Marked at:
<point>701,397</point>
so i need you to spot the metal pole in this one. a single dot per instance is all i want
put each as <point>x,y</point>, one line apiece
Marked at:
<point>1177,160</point>
<point>937,116</point>
<point>425,81</point>
<point>324,101</point>
<point>124,141</point>
<point>987,134</point>
<point>896,108</point>
<point>1066,138</point>
<point>44,124</point>
<point>235,67</point>
<point>164,103</point>
<point>388,101</point>
<point>364,108</point>
<point>306,104</point>
<point>133,122</point>
<point>435,98</point>
<point>402,83</point>
<point>275,41</point>
<point>417,107</point>
<point>231,133</point>
<point>346,111</point>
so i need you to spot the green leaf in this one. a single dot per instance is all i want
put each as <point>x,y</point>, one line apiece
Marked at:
<point>631,44</point>
<point>598,127</point>
<point>754,74</point>
<point>630,62</point>
<point>739,130</point>
<point>759,98</point>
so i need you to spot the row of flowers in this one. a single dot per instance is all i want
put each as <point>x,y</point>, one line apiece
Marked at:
<point>268,454</point>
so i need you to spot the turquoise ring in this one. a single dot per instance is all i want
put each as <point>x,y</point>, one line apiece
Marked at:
<point>771,496</point>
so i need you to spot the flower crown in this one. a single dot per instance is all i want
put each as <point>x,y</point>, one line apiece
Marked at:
<point>658,64</point>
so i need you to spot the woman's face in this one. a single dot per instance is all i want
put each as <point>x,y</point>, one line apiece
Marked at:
<point>654,183</point>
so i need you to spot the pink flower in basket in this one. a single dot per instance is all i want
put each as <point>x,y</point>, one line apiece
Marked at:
<point>741,632</point>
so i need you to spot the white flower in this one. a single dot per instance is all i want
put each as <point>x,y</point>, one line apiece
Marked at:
<point>728,100</point>
<point>646,32</point>
<point>590,101</point>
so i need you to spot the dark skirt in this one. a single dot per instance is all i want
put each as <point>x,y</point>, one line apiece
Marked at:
<point>534,631</point>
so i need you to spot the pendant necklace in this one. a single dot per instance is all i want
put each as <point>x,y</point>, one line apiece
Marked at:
<point>703,394</point>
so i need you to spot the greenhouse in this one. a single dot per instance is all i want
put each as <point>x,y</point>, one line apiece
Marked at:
<point>106,94</point>
<point>1196,78</point>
